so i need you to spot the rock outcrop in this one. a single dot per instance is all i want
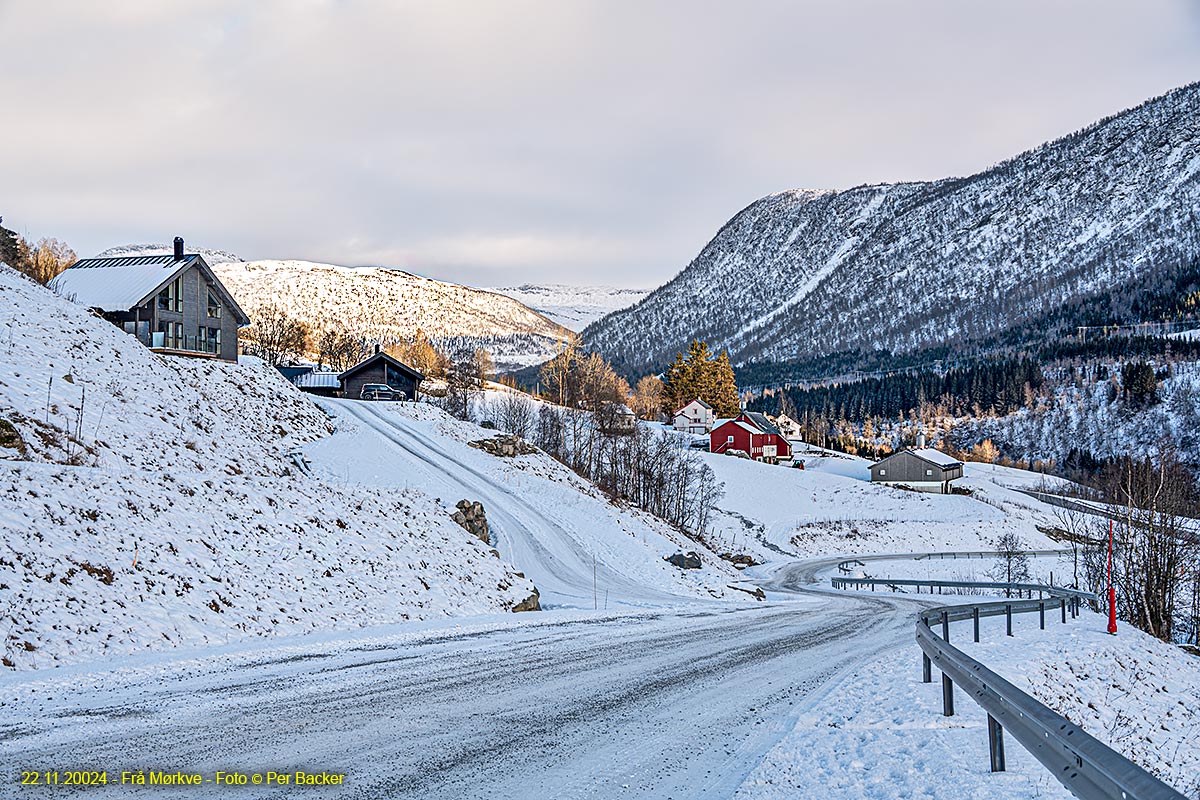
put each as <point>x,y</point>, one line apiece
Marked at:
<point>689,561</point>
<point>531,603</point>
<point>471,516</point>
<point>504,446</point>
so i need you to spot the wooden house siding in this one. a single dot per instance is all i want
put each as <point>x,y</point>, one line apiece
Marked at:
<point>376,369</point>
<point>905,467</point>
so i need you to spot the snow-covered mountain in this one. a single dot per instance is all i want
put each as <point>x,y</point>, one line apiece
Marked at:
<point>386,305</point>
<point>573,307</point>
<point>1008,254</point>
<point>213,257</point>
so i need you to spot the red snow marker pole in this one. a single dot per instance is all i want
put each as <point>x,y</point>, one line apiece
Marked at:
<point>1112,593</point>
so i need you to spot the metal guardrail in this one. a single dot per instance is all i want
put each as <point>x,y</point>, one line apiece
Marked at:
<point>1086,766</point>
<point>935,586</point>
<point>1083,764</point>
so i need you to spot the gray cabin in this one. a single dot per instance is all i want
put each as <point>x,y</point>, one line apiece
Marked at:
<point>172,303</point>
<point>924,469</point>
<point>381,368</point>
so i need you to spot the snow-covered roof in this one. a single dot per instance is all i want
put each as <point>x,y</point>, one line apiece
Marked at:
<point>737,422</point>
<point>765,425</point>
<point>317,380</point>
<point>123,282</point>
<point>118,284</point>
<point>936,457</point>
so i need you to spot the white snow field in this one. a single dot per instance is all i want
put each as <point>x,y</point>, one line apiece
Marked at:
<point>573,307</point>
<point>831,507</point>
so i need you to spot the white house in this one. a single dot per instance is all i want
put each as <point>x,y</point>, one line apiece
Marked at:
<point>696,417</point>
<point>787,426</point>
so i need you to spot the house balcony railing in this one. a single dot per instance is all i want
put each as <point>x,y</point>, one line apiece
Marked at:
<point>181,345</point>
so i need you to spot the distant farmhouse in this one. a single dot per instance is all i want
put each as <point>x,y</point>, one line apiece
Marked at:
<point>696,417</point>
<point>923,469</point>
<point>170,303</point>
<point>378,368</point>
<point>750,434</point>
<point>787,426</point>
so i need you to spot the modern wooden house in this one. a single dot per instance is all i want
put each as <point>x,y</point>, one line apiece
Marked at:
<point>696,417</point>
<point>752,434</point>
<point>923,469</point>
<point>381,368</point>
<point>172,303</point>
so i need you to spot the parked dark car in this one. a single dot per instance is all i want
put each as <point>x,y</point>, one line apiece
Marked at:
<point>380,391</point>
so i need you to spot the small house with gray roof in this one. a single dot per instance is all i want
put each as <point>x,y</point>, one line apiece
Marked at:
<point>172,303</point>
<point>923,469</point>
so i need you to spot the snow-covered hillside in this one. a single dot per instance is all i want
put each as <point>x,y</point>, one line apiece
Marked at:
<point>149,502</point>
<point>213,257</point>
<point>1092,418</point>
<point>388,305</point>
<point>573,307</point>
<point>900,267</point>
<point>831,507</point>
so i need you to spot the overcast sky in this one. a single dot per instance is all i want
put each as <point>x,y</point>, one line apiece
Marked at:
<point>497,143</point>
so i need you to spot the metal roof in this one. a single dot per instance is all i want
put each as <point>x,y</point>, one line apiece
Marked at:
<point>124,282</point>
<point>317,380</point>
<point>765,425</point>
<point>928,454</point>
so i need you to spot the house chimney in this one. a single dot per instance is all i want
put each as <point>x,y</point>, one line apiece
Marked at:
<point>376,349</point>
<point>920,440</point>
<point>178,247</point>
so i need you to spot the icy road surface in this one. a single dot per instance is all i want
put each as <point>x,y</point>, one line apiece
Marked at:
<point>672,703</point>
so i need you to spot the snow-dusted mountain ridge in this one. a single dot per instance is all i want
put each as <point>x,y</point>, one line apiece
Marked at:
<point>573,307</point>
<point>957,262</point>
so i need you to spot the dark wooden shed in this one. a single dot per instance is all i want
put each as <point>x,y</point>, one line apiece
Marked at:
<point>925,469</point>
<point>381,368</point>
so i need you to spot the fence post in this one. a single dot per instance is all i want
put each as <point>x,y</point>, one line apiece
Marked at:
<point>1008,618</point>
<point>947,696</point>
<point>975,614</point>
<point>996,744</point>
<point>1042,613</point>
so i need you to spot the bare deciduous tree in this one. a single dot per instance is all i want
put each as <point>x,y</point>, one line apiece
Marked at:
<point>275,336</point>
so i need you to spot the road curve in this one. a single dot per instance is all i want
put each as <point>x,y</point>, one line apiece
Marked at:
<point>674,703</point>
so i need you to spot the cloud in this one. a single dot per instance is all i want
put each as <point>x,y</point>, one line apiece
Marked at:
<point>589,142</point>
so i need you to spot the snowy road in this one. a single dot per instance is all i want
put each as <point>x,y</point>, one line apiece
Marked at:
<point>674,703</point>
<point>553,546</point>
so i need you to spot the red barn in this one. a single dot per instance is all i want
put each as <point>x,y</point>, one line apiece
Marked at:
<point>753,434</point>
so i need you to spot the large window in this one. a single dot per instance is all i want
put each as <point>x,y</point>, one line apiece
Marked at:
<point>171,297</point>
<point>172,335</point>
<point>210,340</point>
<point>214,305</point>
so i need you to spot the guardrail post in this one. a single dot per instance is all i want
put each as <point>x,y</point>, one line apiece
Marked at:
<point>1063,606</point>
<point>926,669</point>
<point>1042,613</point>
<point>947,696</point>
<point>945,626</point>
<point>1008,618</point>
<point>975,614</point>
<point>996,744</point>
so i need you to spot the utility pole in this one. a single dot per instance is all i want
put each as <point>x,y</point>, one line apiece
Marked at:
<point>1112,592</point>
